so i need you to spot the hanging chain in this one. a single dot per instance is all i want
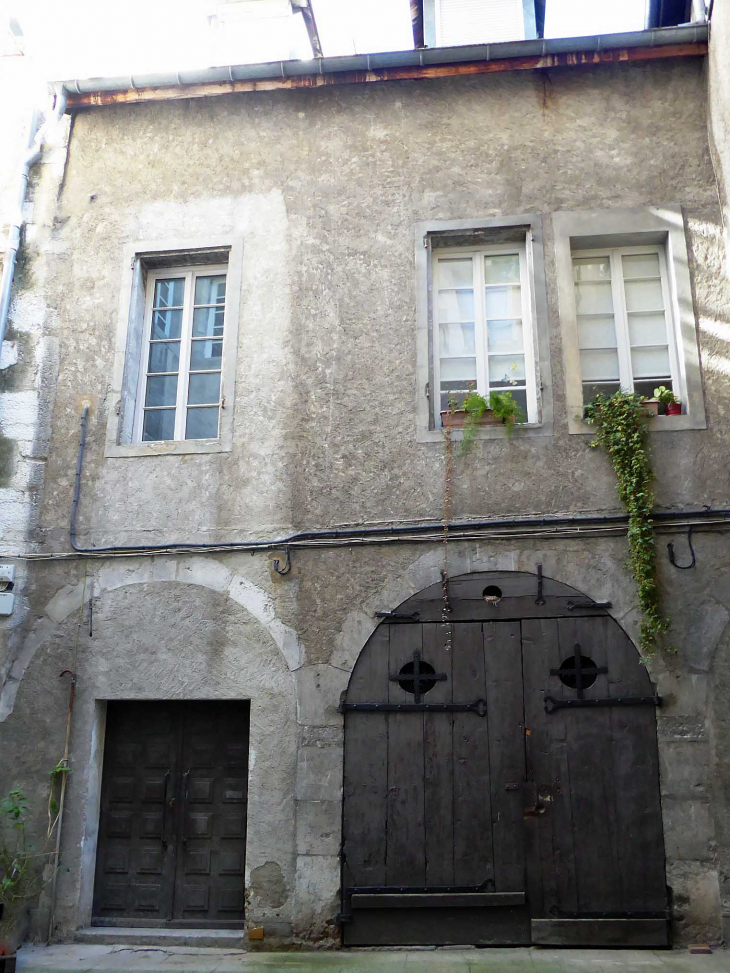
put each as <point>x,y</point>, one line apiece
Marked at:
<point>448,473</point>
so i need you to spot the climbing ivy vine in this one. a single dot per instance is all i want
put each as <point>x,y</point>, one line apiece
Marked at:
<point>621,422</point>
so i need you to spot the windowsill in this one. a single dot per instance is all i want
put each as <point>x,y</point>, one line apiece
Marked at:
<point>525,430</point>
<point>578,427</point>
<point>169,448</point>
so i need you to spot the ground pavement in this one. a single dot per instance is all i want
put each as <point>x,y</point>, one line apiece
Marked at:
<point>181,959</point>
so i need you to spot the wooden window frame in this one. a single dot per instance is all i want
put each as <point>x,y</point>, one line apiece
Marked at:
<point>189,274</point>
<point>621,313</point>
<point>480,324</point>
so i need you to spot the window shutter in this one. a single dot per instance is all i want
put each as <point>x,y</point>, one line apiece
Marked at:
<point>479,21</point>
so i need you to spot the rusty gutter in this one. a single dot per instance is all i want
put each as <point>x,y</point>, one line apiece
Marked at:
<point>562,52</point>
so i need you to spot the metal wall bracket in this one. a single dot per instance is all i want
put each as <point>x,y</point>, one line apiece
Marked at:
<point>287,564</point>
<point>670,551</point>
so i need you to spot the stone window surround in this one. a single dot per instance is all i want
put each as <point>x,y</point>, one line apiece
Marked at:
<point>588,230</point>
<point>127,353</point>
<point>436,232</point>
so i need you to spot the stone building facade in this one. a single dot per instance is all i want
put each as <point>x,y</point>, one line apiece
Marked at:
<point>325,204</point>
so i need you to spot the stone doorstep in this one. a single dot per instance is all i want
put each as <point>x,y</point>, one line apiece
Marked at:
<point>127,935</point>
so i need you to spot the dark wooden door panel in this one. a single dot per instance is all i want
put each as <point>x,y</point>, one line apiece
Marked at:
<point>172,833</point>
<point>135,863</point>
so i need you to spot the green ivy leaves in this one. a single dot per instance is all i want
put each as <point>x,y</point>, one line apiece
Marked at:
<point>621,430</point>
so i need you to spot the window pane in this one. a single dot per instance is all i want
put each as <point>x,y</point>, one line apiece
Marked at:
<point>641,265</point>
<point>462,369</point>
<point>520,397</point>
<point>591,268</point>
<point>202,424</point>
<point>647,329</point>
<point>647,388</point>
<point>596,332</point>
<point>452,390</point>
<point>158,424</point>
<point>590,390</point>
<point>456,305</point>
<point>206,354</point>
<point>456,339</point>
<point>599,364</point>
<point>644,295</point>
<point>164,356</point>
<point>648,362</point>
<point>593,298</point>
<point>210,290</point>
<point>208,322</point>
<point>455,273</point>
<point>166,324</point>
<point>169,293</point>
<point>505,370</point>
<point>503,302</point>
<point>504,269</point>
<point>204,388</point>
<point>504,336</point>
<point>161,390</point>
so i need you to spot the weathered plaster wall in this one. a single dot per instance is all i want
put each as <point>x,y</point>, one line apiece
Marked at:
<point>325,187</point>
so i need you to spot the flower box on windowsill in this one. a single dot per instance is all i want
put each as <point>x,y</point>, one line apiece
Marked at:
<point>457,419</point>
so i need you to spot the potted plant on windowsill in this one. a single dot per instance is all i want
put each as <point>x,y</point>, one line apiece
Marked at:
<point>667,398</point>
<point>500,409</point>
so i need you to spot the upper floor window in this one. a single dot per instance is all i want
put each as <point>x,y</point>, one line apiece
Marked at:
<point>623,312</point>
<point>179,392</point>
<point>483,329</point>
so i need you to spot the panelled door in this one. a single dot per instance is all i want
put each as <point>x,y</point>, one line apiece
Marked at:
<point>172,830</point>
<point>501,780</point>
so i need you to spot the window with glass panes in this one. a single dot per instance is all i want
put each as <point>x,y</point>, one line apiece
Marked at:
<point>482,326</point>
<point>623,311</point>
<point>180,387</point>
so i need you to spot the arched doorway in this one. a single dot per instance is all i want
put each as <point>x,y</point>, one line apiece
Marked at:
<point>501,778</point>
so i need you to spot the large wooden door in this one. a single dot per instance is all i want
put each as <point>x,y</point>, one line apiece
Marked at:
<point>172,830</point>
<point>501,775</point>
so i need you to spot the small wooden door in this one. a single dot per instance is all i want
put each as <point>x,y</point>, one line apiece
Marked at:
<point>172,830</point>
<point>501,775</point>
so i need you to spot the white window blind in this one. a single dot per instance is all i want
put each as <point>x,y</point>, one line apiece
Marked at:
<point>624,321</point>
<point>180,383</point>
<point>479,21</point>
<point>483,333</point>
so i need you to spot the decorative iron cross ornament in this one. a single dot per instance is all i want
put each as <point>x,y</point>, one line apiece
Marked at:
<point>418,676</point>
<point>580,671</point>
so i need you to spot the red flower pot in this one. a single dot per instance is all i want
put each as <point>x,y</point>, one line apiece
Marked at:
<point>674,408</point>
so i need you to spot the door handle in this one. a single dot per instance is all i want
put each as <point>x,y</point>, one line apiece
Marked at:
<point>186,781</point>
<point>164,811</point>
<point>534,810</point>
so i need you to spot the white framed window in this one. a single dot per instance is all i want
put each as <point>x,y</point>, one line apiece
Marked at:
<point>626,335</point>
<point>483,332</point>
<point>179,393</point>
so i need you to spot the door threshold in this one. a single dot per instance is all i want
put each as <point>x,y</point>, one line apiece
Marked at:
<point>155,936</point>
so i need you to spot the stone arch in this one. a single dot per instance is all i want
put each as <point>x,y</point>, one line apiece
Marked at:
<point>204,572</point>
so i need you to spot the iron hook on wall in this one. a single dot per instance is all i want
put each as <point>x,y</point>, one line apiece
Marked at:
<point>287,564</point>
<point>670,550</point>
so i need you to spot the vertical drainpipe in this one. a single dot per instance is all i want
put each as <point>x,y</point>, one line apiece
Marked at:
<point>32,154</point>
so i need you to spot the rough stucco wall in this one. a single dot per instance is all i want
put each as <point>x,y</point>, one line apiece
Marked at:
<point>324,428</point>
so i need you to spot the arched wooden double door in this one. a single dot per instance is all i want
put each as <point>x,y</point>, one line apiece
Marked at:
<point>501,774</point>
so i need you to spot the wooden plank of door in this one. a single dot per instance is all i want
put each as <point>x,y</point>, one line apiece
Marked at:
<point>600,932</point>
<point>405,861</point>
<point>438,768</point>
<point>592,780</point>
<point>136,848</point>
<point>636,781</point>
<point>437,900</point>
<point>503,666</point>
<point>366,767</point>
<point>473,845</point>
<point>210,875</point>
<point>550,855</point>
